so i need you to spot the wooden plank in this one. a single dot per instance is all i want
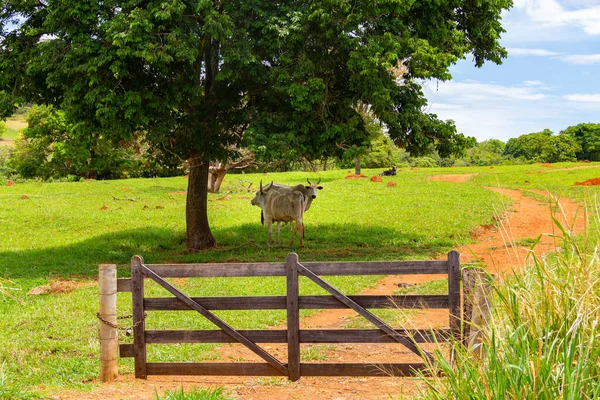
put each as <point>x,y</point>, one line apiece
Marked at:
<point>364,313</point>
<point>306,369</point>
<point>213,369</point>
<point>126,350</point>
<point>139,325</point>
<point>216,320</point>
<point>380,369</point>
<point>454,292</point>
<point>320,268</point>
<point>305,336</point>
<point>305,302</point>
<point>124,285</point>
<point>293,317</point>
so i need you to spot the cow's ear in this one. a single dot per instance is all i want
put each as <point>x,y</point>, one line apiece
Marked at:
<point>320,187</point>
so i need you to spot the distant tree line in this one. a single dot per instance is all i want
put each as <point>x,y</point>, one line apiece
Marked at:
<point>50,149</point>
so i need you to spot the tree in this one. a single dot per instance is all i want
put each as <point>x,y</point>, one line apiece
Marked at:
<point>543,147</point>
<point>201,77</point>
<point>588,137</point>
<point>48,147</point>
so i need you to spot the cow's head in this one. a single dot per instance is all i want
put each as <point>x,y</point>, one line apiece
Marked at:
<point>260,197</point>
<point>313,188</point>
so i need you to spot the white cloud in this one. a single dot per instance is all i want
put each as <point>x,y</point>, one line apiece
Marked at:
<point>582,58</point>
<point>473,90</point>
<point>530,52</point>
<point>533,83</point>
<point>491,110</point>
<point>551,12</point>
<point>586,98</point>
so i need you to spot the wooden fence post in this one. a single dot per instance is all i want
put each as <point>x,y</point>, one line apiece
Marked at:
<point>109,342</point>
<point>454,293</point>
<point>477,307</point>
<point>139,324</point>
<point>293,317</point>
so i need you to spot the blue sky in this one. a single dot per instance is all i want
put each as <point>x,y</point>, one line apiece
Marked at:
<point>550,79</point>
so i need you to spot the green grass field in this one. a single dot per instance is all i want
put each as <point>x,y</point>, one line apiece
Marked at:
<point>62,231</point>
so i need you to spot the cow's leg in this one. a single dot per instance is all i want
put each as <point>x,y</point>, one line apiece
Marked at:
<point>277,234</point>
<point>300,227</point>
<point>269,223</point>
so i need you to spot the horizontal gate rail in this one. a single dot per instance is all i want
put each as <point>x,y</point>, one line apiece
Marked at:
<point>305,302</point>
<point>292,302</point>
<point>319,268</point>
<point>306,369</point>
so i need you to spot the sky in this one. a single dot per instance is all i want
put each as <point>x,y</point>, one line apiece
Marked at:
<point>550,79</point>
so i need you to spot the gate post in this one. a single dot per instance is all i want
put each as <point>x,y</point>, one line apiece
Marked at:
<point>293,317</point>
<point>109,342</point>
<point>454,292</point>
<point>139,324</point>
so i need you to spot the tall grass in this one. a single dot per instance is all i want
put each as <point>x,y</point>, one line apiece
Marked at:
<point>543,338</point>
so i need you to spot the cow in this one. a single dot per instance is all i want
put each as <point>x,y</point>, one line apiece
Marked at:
<point>309,192</point>
<point>281,207</point>
<point>389,172</point>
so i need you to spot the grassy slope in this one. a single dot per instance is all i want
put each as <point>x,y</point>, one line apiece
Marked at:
<point>60,231</point>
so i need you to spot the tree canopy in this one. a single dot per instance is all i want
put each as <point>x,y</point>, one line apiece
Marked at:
<point>200,78</point>
<point>588,137</point>
<point>543,147</point>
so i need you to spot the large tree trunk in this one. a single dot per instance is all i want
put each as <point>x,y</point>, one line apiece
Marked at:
<point>199,236</point>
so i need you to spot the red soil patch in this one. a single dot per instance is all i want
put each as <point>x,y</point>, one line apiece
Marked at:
<point>391,184</point>
<point>355,176</point>
<point>495,247</point>
<point>104,208</point>
<point>24,197</point>
<point>376,178</point>
<point>547,165</point>
<point>182,193</point>
<point>414,169</point>
<point>10,183</point>
<point>589,182</point>
<point>59,286</point>
<point>456,178</point>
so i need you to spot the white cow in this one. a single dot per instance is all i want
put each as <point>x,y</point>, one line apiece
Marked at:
<point>309,191</point>
<point>281,207</point>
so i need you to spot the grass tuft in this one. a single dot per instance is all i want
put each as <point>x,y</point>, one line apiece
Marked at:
<point>193,394</point>
<point>542,340</point>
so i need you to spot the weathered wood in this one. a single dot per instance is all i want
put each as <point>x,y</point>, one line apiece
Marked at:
<point>478,312</point>
<point>214,369</point>
<point>124,285</point>
<point>379,369</point>
<point>109,342</point>
<point>363,312</point>
<point>126,350</point>
<point>305,336</point>
<point>454,292</point>
<point>306,369</point>
<point>305,302</point>
<point>293,317</point>
<point>216,320</point>
<point>139,324</point>
<point>319,268</point>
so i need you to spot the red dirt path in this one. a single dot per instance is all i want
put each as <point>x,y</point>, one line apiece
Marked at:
<point>497,247</point>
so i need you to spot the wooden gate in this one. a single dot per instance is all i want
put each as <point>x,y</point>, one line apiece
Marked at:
<point>292,302</point>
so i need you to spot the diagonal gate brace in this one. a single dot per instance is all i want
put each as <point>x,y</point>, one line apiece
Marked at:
<point>365,313</point>
<point>217,321</point>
